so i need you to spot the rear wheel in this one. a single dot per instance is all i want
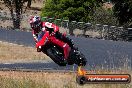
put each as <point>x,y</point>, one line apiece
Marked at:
<point>81,60</point>
<point>70,61</point>
<point>56,56</point>
<point>78,58</point>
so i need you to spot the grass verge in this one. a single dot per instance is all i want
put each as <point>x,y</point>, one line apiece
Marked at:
<point>11,52</point>
<point>14,79</point>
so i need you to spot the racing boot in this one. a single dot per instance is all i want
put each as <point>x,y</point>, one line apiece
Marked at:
<point>70,42</point>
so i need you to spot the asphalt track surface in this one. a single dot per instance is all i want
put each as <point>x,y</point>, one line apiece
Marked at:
<point>103,54</point>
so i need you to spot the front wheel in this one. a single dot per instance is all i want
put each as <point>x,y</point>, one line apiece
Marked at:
<point>56,56</point>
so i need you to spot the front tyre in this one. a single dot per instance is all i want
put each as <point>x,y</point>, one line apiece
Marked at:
<point>56,56</point>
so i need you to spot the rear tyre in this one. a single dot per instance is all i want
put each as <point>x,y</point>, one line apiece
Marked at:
<point>82,60</point>
<point>79,58</point>
<point>70,61</point>
<point>57,58</point>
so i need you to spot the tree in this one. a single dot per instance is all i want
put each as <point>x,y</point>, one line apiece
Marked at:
<point>123,11</point>
<point>104,16</point>
<point>78,10</point>
<point>72,10</point>
<point>16,10</point>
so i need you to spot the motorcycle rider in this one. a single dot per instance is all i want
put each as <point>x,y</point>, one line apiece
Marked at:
<point>39,26</point>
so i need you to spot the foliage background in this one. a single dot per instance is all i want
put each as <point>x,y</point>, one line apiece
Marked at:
<point>78,10</point>
<point>90,11</point>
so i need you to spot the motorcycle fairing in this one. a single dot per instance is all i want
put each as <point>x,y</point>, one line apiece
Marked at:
<point>43,40</point>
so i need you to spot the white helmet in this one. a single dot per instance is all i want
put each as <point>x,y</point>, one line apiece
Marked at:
<point>35,21</point>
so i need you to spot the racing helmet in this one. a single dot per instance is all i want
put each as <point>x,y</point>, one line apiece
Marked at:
<point>35,22</point>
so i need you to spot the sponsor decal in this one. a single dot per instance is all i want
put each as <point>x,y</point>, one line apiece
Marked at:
<point>83,77</point>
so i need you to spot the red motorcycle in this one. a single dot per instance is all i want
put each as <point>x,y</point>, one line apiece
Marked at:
<point>56,53</point>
